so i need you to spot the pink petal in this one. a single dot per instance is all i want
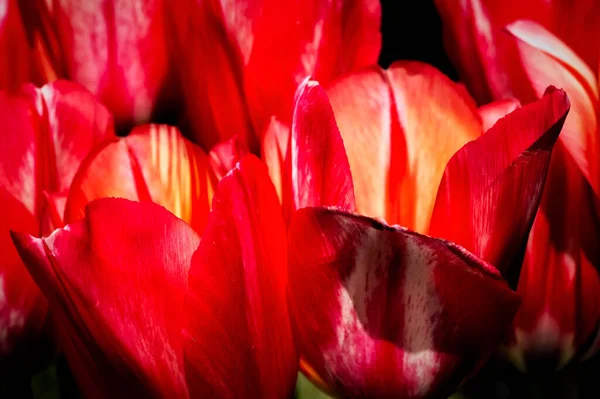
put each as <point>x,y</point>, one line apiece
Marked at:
<point>238,339</point>
<point>384,312</point>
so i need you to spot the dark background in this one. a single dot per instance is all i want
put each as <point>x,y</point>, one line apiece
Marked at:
<point>412,30</point>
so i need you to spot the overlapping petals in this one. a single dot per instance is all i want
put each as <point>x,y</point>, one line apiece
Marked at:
<point>145,307</point>
<point>413,137</point>
<point>359,341</point>
<point>47,133</point>
<point>153,163</point>
<point>500,173</point>
<point>523,48</point>
<point>485,55</point>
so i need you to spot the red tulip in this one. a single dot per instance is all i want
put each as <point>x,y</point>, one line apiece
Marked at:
<point>412,336</point>
<point>240,62</point>
<point>148,309</point>
<point>47,132</point>
<point>561,311</point>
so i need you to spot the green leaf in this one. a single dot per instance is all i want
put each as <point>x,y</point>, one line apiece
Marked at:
<point>306,390</point>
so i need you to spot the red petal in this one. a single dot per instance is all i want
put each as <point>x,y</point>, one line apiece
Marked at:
<point>238,339</point>
<point>485,56</point>
<point>49,131</point>
<point>490,113</point>
<point>400,127</point>
<point>77,122</point>
<point>319,170</point>
<point>559,282</point>
<point>154,163</point>
<point>22,306</point>
<point>211,75</point>
<point>225,155</point>
<point>384,312</point>
<point>491,188</point>
<point>116,282</point>
<point>547,61</point>
<point>292,40</point>
<point>116,49</point>
<point>15,51</point>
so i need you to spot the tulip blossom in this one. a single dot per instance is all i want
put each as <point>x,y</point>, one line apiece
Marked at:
<point>47,133</point>
<point>516,50</point>
<point>412,336</point>
<point>148,308</point>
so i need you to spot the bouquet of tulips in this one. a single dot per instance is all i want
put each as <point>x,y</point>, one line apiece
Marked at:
<point>233,199</point>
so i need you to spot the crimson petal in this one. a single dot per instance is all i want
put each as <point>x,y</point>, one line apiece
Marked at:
<point>116,282</point>
<point>491,187</point>
<point>384,312</point>
<point>238,339</point>
<point>319,169</point>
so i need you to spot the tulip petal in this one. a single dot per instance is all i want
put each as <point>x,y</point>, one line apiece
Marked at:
<point>211,75</point>
<point>15,52</point>
<point>154,163</point>
<point>319,170</point>
<point>400,127</point>
<point>116,49</point>
<point>22,307</point>
<point>48,132</point>
<point>238,339</point>
<point>116,282</point>
<point>559,282</point>
<point>543,68</point>
<point>484,55</point>
<point>492,186</point>
<point>383,312</point>
<point>77,122</point>
<point>296,39</point>
<point>490,113</point>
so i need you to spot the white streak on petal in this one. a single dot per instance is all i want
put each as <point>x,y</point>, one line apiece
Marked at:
<point>422,307</point>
